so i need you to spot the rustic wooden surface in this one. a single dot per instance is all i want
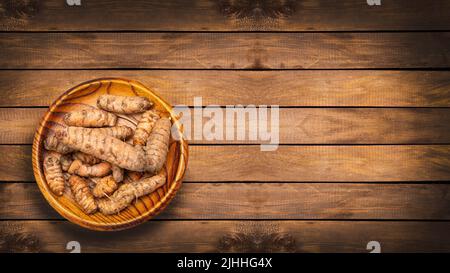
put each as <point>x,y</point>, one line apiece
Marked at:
<point>290,163</point>
<point>230,236</point>
<point>293,88</point>
<point>262,201</point>
<point>225,50</point>
<point>298,126</point>
<point>225,15</point>
<point>366,89</point>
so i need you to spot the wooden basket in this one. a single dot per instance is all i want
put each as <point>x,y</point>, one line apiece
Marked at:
<point>84,96</point>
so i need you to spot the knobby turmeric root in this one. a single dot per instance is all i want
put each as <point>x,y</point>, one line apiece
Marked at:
<point>51,143</point>
<point>117,173</point>
<point>129,192</point>
<point>82,194</point>
<point>144,127</point>
<point>132,176</point>
<point>101,153</point>
<point>86,158</point>
<point>123,104</point>
<point>66,161</point>
<point>90,118</point>
<point>104,186</point>
<point>53,173</point>
<point>67,176</point>
<point>158,145</point>
<point>120,132</point>
<point>98,170</point>
<point>104,147</point>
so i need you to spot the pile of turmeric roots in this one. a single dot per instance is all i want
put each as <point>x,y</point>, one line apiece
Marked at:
<point>107,166</point>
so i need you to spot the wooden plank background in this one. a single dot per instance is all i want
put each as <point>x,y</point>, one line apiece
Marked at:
<point>225,50</point>
<point>290,88</point>
<point>224,15</point>
<point>364,96</point>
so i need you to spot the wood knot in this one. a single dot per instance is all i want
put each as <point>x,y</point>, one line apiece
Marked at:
<point>252,12</point>
<point>19,9</point>
<point>14,239</point>
<point>257,242</point>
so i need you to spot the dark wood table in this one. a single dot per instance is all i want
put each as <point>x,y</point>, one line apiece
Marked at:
<point>364,96</point>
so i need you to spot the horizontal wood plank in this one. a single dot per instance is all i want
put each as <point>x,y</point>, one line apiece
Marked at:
<point>229,236</point>
<point>268,201</point>
<point>296,126</point>
<point>225,50</point>
<point>286,88</point>
<point>224,15</point>
<point>388,163</point>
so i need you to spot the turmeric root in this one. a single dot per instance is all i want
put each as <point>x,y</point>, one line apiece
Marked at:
<point>117,173</point>
<point>66,161</point>
<point>120,132</point>
<point>123,104</point>
<point>144,127</point>
<point>104,186</point>
<point>86,158</point>
<point>132,176</point>
<point>90,118</point>
<point>53,173</point>
<point>99,170</point>
<point>158,145</point>
<point>105,147</point>
<point>129,192</point>
<point>51,143</point>
<point>67,176</point>
<point>82,194</point>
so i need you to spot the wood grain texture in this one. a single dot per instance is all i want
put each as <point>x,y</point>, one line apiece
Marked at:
<point>284,88</point>
<point>321,163</point>
<point>230,236</point>
<point>296,126</point>
<point>268,201</point>
<point>388,163</point>
<point>224,15</point>
<point>225,50</point>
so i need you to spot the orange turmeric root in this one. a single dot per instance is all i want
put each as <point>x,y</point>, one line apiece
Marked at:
<point>144,127</point>
<point>90,118</point>
<point>53,173</point>
<point>126,193</point>
<point>82,194</point>
<point>158,145</point>
<point>123,104</point>
<point>104,147</point>
<point>98,170</point>
<point>104,186</point>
